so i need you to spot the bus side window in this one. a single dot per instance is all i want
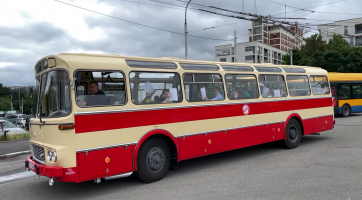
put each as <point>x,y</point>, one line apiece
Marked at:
<point>241,86</point>
<point>298,85</point>
<point>105,88</point>
<point>272,86</point>
<point>319,85</point>
<point>155,87</point>
<point>203,86</point>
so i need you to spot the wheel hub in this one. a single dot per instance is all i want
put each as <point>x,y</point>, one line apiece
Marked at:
<point>155,159</point>
<point>293,134</point>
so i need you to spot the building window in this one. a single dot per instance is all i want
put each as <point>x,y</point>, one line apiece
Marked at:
<point>275,35</point>
<point>346,30</point>
<point>232,59</point>
<point>249,48</point>
<point>251,57</point>
<point>274,41</point>
<point>222,59</point>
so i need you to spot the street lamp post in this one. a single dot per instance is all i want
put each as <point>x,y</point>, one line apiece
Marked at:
<point>185,27</point>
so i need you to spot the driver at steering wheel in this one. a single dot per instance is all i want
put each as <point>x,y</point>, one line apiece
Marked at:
<point>96,97</point>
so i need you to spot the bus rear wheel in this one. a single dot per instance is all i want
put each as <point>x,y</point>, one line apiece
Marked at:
<point>153,160</point>
<point>293,134</point>
<point>346,111</point>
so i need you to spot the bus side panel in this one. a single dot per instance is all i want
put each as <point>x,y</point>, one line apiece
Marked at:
<point>202,144</point>
<point>245,137</point>
<point>274,132</point>
<point>105,162</point>
<point>323,123</point>
<point>308,125</point>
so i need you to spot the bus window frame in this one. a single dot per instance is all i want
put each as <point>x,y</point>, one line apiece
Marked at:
<point>256,82</point>
<point>208,72</point>
<point>285,83</point>
<point>141,71</point>
<point>329,84</point>
<point>310,86</point>
<point>100,70</point>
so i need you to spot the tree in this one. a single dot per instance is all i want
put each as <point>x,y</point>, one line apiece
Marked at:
<point>337,43</point>
<point>4,91</point>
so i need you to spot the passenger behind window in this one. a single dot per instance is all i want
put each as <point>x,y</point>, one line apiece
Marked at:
<point>218,96</point>
<point>283,93</point>
<point>199,96</point>
<point>235,94</point>
<point>96,97</point>
<point>165,97</point>
<point>148,98</point>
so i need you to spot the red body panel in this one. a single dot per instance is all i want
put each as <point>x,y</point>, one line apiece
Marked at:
<point>244,137</point>
<point>308,125</point>
<point>323,123</point>
<point>105,162</point>
<point>109,121</point>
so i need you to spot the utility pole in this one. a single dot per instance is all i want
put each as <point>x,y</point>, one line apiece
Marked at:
<point>19,100</point>
<point>22,105</point>
<point>291,57</point>
<point>235,47</point>
<point>185,27</point>
<point>11,102</point>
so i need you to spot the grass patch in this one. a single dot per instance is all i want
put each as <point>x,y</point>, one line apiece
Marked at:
<point>14,136</point>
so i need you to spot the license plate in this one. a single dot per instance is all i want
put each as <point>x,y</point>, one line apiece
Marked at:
<point>31,165</point>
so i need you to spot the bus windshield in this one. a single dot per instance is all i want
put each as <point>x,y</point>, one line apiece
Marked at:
<point>54,99</point>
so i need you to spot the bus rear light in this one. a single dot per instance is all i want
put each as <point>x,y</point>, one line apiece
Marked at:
<point>66,127</point>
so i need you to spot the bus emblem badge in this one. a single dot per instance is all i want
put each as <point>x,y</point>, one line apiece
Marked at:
<point>246,109</point>
<point>107,160</point>
<point>209,141</point>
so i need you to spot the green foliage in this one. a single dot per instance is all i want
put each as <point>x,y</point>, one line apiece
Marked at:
<point>335,56</point>
<point>25,95</point>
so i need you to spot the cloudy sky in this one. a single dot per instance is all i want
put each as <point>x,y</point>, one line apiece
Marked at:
<point>30,30</point>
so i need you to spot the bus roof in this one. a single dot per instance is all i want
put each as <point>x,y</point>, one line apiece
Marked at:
<point>334,76</point>
<point>67,57</point>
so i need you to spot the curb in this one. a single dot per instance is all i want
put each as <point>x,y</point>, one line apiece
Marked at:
<point>14,154</point>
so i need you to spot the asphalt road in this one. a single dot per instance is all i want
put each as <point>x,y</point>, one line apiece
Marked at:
<point>11,147</point>
<point>328,166</point>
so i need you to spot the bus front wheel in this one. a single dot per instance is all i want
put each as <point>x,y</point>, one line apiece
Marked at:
<point>293,134</point>
<point>346,110</point>
<point>153,160</point>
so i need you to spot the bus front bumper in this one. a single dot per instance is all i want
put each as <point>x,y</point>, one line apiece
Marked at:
<point>43,170</point>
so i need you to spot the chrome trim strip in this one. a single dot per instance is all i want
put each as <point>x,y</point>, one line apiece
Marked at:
<point>105,147</point>
<point>36,123</point>
<point>118,176</point>
<point>318,116</point>
<point>190,106</point>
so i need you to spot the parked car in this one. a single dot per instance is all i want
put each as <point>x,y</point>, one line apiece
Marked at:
<point>12,128</point>
<point>17,119</point>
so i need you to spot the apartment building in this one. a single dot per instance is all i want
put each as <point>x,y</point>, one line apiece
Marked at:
<point>249,52</point>
<point>350,29</point>
<point>278,36</point>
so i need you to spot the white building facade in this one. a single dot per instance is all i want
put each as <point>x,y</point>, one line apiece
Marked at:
<point>249,52</point>
<point>350,29</point>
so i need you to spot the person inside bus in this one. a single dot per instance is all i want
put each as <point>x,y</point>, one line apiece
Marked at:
<point>235,94</point>
<point>283,93</point>
<point>96,97</point>
<point>218,96</point>
<point>165,97</point>
<point>148,98</point>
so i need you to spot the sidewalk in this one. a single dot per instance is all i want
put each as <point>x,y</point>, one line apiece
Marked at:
<point>12,147</point>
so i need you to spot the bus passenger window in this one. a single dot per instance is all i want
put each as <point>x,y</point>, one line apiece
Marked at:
<point>240,86</point>
<point>105,88</point>
<point>272,86</point>
<point>155,87</point>
<point>298,85</point>
<point>203,87</point>
<point>319,85</point>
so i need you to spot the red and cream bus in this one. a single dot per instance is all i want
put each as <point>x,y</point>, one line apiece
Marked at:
<point>108,116</point>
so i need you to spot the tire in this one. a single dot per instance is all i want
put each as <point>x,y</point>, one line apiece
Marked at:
<point>153,160</point>
<point>346,110</point>
<point>293,134</point>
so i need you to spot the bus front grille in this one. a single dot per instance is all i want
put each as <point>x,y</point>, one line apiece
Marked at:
<point>38,153</point>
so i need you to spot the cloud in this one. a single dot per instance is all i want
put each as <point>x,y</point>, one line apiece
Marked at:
<point>30,30</point>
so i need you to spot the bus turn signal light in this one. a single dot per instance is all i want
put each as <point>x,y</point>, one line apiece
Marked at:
<point>66,126</point>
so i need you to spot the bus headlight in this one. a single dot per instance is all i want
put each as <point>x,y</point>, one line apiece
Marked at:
<point>52,156</point>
